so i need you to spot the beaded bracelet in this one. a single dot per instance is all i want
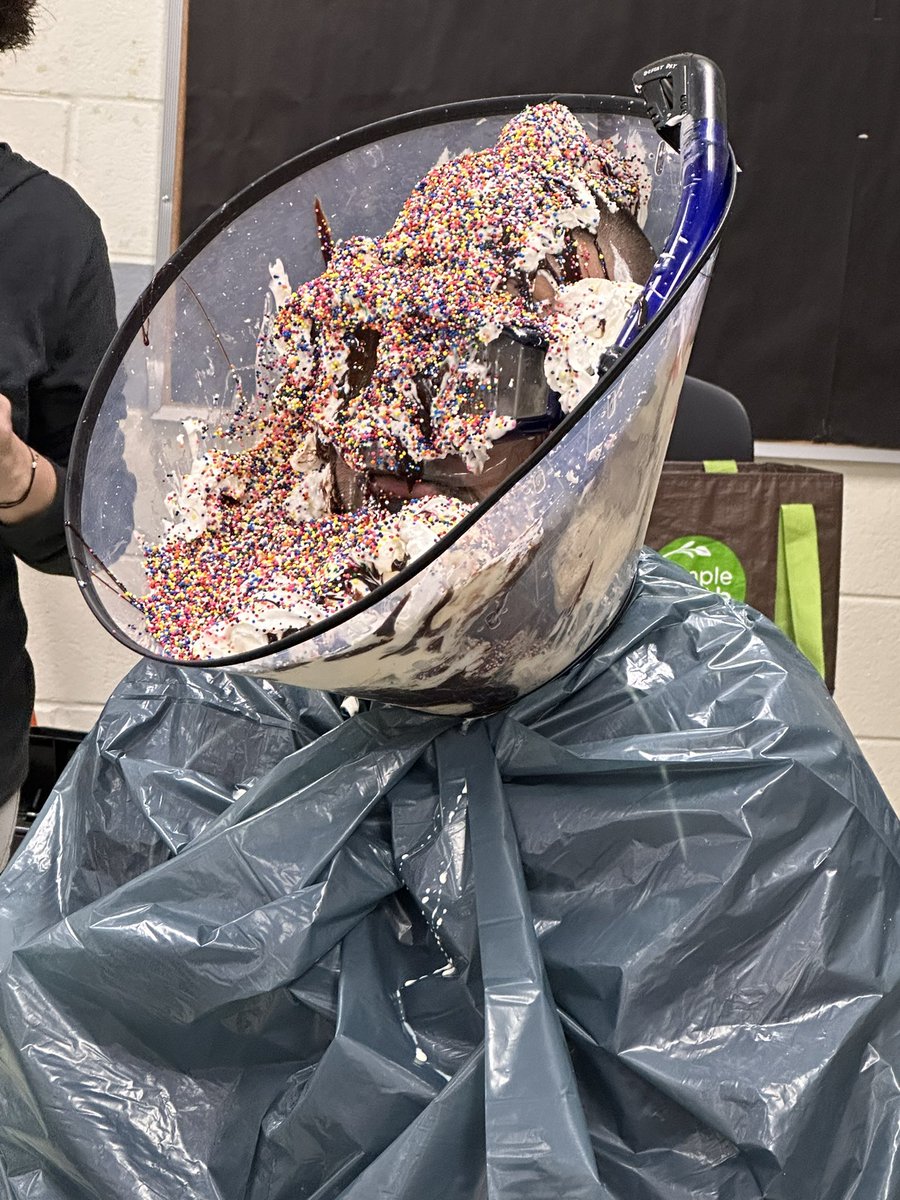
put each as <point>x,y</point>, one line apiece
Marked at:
<point>27,492</point>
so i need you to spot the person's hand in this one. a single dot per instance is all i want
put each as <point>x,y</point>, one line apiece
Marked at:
<point>16,472</point>
<point>15,457</point>
<point>6,429</point>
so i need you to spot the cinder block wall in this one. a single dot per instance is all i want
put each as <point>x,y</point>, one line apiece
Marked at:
<point>868,664</point>
<point>86,101</point>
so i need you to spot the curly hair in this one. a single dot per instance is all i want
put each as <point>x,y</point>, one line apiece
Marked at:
<point>16,23</point>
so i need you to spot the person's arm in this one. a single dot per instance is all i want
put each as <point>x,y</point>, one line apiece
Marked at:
<point>83,326</point>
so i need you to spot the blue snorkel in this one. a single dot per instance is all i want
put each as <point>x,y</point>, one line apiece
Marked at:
<point>685,96</point>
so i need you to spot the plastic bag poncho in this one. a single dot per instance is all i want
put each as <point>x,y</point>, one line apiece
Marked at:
<point>634,938</point>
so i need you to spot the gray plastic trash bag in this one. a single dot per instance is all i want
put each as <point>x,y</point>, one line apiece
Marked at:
<point>634,938</point>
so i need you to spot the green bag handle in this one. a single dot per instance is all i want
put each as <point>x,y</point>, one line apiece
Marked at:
<point>798,582</point>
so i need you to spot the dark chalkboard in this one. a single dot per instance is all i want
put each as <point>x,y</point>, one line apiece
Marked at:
<point>799,321</point>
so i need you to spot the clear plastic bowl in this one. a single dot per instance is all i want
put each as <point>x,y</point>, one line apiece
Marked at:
<point>533,576</point>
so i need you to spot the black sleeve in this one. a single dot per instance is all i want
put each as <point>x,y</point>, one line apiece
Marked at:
<point>83,325</point>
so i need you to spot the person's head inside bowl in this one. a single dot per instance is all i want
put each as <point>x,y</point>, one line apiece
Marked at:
<point>404,384</point>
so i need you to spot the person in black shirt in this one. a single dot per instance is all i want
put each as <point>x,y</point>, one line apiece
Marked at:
<point>57,316</point>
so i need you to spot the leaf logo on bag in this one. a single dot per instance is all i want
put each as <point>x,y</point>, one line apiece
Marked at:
<point>713,564</point>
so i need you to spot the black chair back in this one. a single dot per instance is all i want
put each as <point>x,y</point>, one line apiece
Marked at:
<point>710,423</point>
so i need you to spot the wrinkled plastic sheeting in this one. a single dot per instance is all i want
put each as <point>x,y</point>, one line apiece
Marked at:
<point>633,939</point>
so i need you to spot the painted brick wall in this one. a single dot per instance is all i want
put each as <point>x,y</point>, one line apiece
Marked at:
<point>868,665</point>
<point>86,101</point>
